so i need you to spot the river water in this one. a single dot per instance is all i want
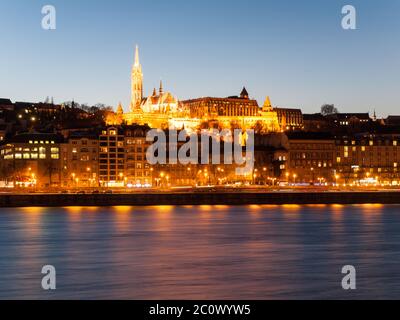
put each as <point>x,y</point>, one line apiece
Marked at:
<point>201,252</point>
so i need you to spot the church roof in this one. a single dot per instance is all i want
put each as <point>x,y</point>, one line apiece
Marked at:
<point>164,98</point>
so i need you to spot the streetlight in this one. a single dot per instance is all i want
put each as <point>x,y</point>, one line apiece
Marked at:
<point>312,171</point>
<point>336,179</point>
<point>73,177</point>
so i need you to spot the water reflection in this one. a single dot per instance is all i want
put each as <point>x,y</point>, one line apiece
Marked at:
<point>201,252</point>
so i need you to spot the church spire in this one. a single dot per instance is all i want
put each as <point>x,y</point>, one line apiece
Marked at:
<point>137,82</point>
<point>137,63</point>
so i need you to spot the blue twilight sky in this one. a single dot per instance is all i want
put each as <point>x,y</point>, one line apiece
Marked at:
<point>294,51</point>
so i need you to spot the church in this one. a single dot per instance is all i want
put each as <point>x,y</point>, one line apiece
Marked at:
<point>157,110</point>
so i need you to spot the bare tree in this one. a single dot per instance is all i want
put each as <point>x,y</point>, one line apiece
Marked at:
<point>328,109</point>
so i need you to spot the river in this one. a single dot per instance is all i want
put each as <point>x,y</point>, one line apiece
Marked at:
<point>201,252</point>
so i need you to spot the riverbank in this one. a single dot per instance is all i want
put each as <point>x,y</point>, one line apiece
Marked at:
<point>205,198</point>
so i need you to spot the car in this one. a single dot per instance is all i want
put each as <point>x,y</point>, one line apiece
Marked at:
<point>80,192</point>
<point>95,191</point>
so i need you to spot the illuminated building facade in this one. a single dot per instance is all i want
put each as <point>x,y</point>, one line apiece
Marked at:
<point>138,172</point>
<point>289,119</point>
<point>233,112</point>
<point>111,158</point>
<point>368,160</point>
<point>122,157</point>
<point>311,158</point>
<point>163,110</point>
<point>32,159</point>
<point>80,160</point>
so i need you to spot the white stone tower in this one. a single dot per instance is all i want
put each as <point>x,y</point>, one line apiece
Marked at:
<point>137,82</point>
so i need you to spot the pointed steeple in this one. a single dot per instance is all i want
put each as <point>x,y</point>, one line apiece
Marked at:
<point>137,63</point>
<point>120,109</point>
<point>244,94</point>
<point>154,92</point>
<point>267,102</point>
<point>161,88</point>
<point>267,106</point>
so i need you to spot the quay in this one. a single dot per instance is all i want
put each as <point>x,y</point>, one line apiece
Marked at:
<point>198,198</point>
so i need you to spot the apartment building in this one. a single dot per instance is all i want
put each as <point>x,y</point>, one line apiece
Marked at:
<point>311,158</point>
<point>111,157</point>
<point>368,159</point>
<point>138,172</point>
<point>80,160</point>
<point>31,159</point>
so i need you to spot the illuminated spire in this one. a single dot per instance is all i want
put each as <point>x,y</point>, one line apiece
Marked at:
<point>267,102</point>
<point>161,88</point>
<point>120,109</point>
<point>137,63</point>
<point>136,82</point>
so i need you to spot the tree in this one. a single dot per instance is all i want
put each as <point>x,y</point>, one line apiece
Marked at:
<point>50,167</point>
<point>328,109</point>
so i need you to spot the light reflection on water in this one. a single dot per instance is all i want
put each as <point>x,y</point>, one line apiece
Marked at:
<point>201,252</point>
